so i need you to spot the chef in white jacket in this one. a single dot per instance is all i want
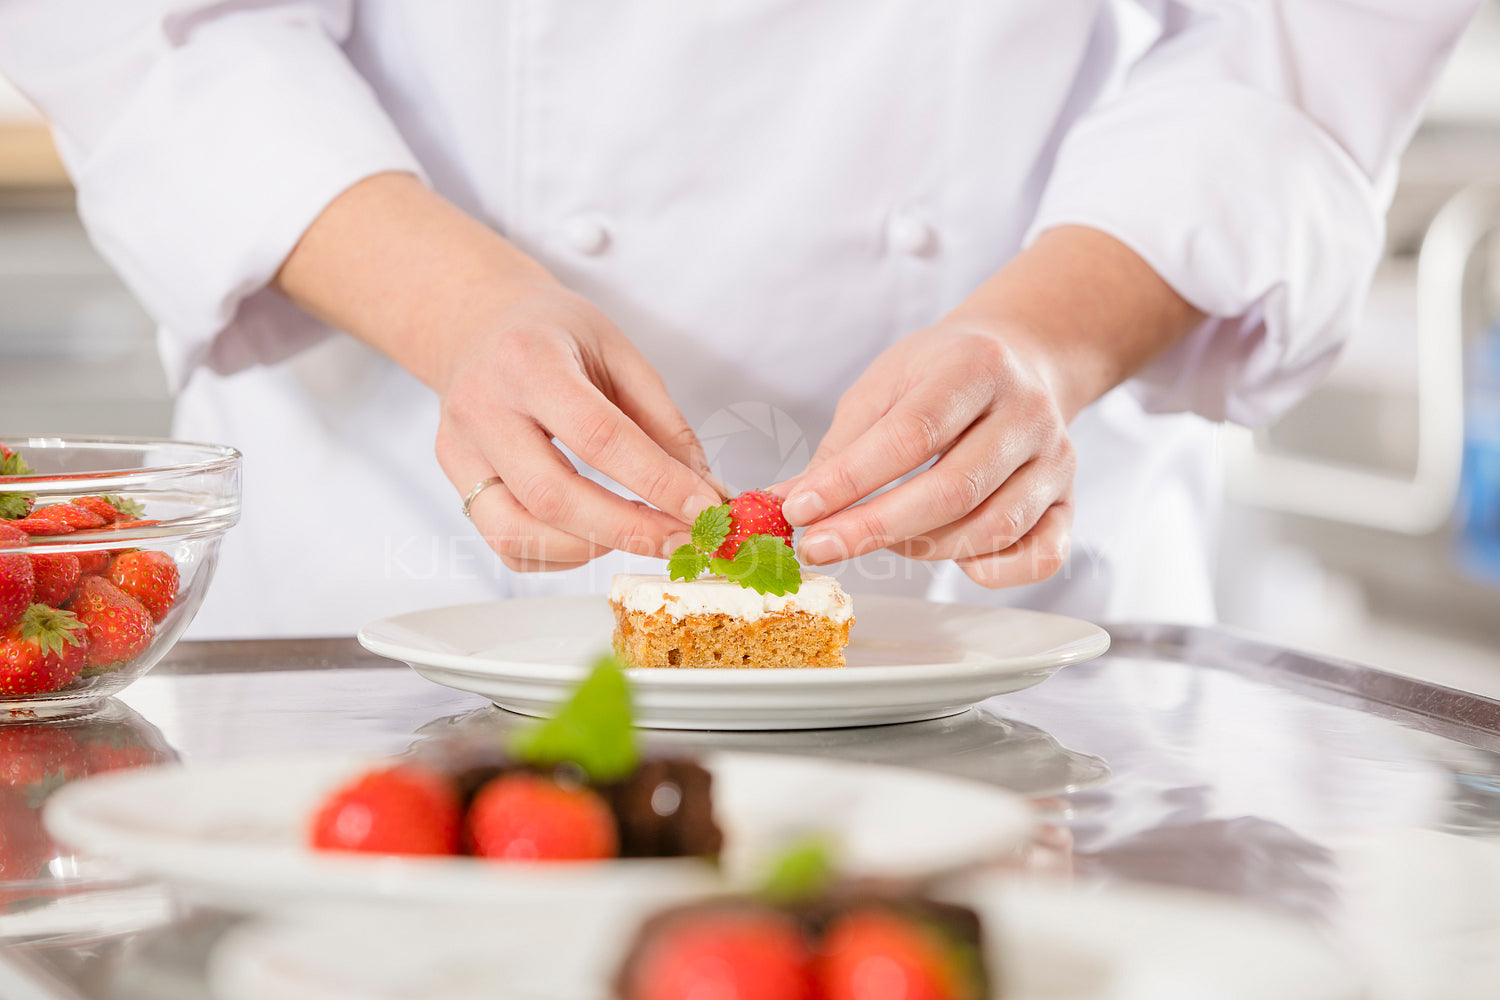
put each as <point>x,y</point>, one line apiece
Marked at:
<point>1030,251</point>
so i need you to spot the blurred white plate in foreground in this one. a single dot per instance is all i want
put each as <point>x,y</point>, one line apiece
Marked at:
<point>909,660</point>
<point>232,834</point>
<point>1045,941</point>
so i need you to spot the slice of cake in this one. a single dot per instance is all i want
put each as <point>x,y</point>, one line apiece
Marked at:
<point>716,622</point>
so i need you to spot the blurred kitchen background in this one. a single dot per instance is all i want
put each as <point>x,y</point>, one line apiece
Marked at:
<point>1366,524</point>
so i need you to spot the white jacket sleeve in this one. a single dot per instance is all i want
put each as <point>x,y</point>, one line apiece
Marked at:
<point>1249,158</point>
<point>203,139</point>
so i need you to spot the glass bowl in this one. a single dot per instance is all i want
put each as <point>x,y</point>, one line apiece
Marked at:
<point>113,585</point>
<point>49,894</point>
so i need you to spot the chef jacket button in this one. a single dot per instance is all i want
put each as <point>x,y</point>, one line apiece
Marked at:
<point>910,234</point>
<point>586,234</point>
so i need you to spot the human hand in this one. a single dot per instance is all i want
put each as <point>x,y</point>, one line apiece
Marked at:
<point>517,360</point>
<point>546,364</point>
<point>999,498</point>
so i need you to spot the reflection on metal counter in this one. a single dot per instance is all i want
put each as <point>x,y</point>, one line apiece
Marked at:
<point>1363,801</point>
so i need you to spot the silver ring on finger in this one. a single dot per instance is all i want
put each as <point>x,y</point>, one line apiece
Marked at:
<point>479,488</point>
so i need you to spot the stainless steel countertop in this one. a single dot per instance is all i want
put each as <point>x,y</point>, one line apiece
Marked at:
<point>1364,803</point>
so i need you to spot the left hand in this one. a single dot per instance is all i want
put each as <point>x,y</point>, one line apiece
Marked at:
<point>983,400</point>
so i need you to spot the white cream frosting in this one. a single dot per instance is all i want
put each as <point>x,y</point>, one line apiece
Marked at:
<point>819,595</point>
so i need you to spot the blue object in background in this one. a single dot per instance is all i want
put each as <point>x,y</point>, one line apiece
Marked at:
<point>1479,496</point>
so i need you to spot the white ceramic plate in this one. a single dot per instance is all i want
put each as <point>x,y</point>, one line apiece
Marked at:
<point>1045,940</point>
<point>231,834</point>
<point>908,660</point>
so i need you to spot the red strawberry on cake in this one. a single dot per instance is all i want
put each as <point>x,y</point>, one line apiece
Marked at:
<point>757,609</point>
<point>754,512</point>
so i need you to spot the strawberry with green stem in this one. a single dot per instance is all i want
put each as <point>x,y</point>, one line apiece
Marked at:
<point>110,507</point>
<point>746,540</point>
<point>535,817</point>
<point>42,653</point>
<point>754,512</point>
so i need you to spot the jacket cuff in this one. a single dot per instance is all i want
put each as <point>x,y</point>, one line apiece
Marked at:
<point>1252,213</point>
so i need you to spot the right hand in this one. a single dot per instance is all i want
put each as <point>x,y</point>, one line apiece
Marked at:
<point>550,365</point>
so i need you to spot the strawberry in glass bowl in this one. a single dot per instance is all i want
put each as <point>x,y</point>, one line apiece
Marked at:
<point>107,546</point>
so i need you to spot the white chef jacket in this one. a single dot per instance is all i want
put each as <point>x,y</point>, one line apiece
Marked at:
<point>764,194</point>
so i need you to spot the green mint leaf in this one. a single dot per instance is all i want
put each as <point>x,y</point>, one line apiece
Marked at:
<point>687,563</point>
<point>592,730</point>
<point>711,528</point>
<point>801,871</point>
<point>764,564</point>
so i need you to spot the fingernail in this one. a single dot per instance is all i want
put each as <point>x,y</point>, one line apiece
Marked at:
<point>803,508</point>
<point>697,505</point>
<point>674,541</point>
<point>820,547</point>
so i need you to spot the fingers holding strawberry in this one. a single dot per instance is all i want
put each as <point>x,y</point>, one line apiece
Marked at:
<point>549,372</point>
<point>984,407</point>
